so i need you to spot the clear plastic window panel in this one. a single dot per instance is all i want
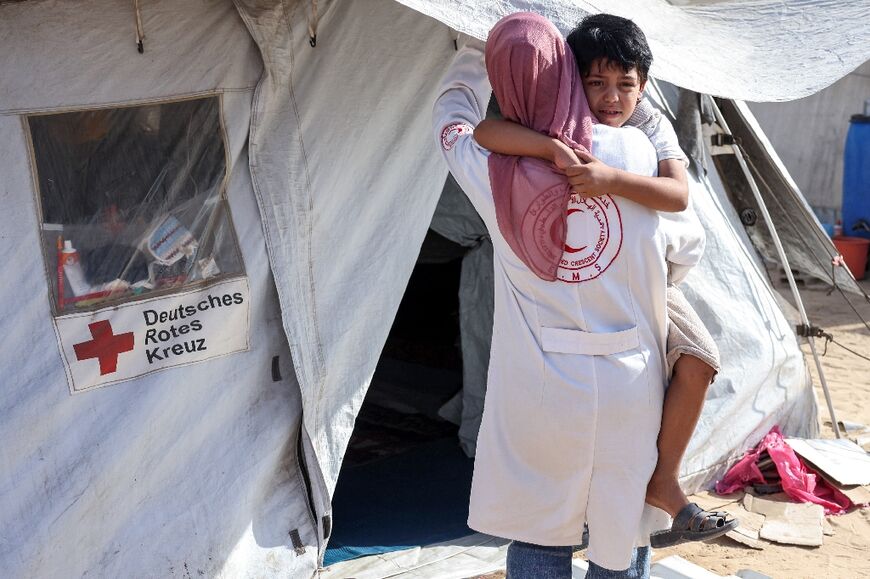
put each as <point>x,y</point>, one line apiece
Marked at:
<point>132,201</point>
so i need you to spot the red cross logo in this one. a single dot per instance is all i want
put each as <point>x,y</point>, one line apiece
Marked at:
<point>105,346</point>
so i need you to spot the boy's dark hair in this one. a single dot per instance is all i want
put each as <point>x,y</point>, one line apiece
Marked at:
<point>617,40</point>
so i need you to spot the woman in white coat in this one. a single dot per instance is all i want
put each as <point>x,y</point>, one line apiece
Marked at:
<point>577,370</point>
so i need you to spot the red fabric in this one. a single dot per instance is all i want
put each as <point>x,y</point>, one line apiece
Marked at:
<point>798,482</point>
<point>536,83</point>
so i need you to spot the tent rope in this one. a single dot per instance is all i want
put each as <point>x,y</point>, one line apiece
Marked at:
<point>817,332</point>
<point>850,350</point>
<point>313,19</point>
<point>836,260</point>
<point>807,331</point>
<point>140,31</point>
<point>780,250</point>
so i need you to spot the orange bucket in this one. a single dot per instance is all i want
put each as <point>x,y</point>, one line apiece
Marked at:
<point>854,250</point>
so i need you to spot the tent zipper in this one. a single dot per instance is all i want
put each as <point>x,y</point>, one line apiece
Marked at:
<point>302,467</point>
<point>140,30</point>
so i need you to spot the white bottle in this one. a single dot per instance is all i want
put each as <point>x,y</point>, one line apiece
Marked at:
<point>72,270</point>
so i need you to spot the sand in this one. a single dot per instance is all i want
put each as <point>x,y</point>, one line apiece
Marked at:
<point>846,554</point>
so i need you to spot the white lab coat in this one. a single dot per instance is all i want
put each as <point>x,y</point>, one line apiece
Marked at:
<point>576,376</point>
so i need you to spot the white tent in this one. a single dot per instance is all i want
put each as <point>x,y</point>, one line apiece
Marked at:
<point>119,461</point>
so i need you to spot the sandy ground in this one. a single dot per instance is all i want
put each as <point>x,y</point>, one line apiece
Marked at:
<point>846,553</point>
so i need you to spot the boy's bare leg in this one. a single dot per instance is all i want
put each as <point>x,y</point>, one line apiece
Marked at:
<point>684,400</point>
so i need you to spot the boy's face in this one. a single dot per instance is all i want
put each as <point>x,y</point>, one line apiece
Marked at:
<point>612,93</point>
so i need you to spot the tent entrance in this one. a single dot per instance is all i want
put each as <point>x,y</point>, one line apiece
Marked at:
<point>405,480</point>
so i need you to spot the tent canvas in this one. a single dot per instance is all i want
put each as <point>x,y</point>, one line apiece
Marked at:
<point>227,465</point>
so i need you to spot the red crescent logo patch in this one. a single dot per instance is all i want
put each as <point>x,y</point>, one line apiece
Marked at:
<point>451,133</point>
<point>594,238</point>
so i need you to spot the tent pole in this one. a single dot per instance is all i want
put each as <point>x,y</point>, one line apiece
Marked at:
<point>738,154</point>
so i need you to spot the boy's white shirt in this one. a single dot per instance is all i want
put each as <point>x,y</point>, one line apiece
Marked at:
<point>577,375</point>
<point>658,130</point>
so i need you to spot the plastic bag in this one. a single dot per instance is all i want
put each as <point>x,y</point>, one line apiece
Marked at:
<point>798,482</point>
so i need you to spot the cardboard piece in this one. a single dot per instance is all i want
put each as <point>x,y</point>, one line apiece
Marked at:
<point>763,506</point>
<point>748,531</point>
<point>713,502</point>
<point>793,532</point>
<point>843,460</point>
<point>858,494</point>
<point>745,540</point>
<point>788,523</point>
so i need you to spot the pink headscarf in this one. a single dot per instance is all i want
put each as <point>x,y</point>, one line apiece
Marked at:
<point>535,80</point>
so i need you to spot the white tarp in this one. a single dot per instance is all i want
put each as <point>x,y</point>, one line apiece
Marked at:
<point>756,50</point>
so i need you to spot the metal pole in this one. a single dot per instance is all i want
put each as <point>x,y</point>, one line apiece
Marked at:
<point>738,154</point>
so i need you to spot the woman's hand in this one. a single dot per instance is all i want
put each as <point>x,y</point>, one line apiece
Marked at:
<point>562,155</point>
<point>590,177</point>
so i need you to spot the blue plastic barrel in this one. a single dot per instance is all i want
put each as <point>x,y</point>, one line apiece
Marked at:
<point>856,177</point>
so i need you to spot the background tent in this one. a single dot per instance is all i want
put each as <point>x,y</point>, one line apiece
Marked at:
<point>810,136</point>
<point>226,465</point>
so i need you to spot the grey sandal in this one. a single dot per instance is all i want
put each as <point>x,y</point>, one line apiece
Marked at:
<point>693,523</point>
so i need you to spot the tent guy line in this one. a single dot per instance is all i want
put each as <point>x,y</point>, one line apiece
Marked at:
<point>738,153</point>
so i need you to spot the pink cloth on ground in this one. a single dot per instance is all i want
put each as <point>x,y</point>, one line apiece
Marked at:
<point>797,482</point>
<point>536,83</point>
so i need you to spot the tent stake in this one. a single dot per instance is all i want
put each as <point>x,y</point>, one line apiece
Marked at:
<point>738,154</point>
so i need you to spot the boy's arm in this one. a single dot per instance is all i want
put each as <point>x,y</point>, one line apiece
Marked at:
<point>509,138</point>
<point>588,176</point>
<point>668,192</point>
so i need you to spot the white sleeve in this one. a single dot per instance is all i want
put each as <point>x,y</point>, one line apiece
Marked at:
<point>685,243</point>
<point>658,130</point>
<point>664,139</point>
<point>460,106</point>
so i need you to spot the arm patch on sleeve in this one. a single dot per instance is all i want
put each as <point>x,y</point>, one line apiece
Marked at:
<point>451,133</point>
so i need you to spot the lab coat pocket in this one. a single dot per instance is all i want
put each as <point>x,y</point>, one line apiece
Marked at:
<point>602,373</point>
<point>564,341</point>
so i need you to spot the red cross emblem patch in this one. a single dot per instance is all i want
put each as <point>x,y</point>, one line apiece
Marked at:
<point>105,347</point>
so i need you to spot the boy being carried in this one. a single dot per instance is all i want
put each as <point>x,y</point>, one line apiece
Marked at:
<point>614,60</point>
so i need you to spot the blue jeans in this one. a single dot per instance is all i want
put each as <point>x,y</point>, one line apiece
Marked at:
<point>527,561</point>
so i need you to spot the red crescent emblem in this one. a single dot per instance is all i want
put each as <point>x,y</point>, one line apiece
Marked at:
<point>596,234</point>
<point>568,248</point>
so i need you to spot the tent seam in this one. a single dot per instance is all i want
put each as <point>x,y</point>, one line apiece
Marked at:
<point>125,102</point>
